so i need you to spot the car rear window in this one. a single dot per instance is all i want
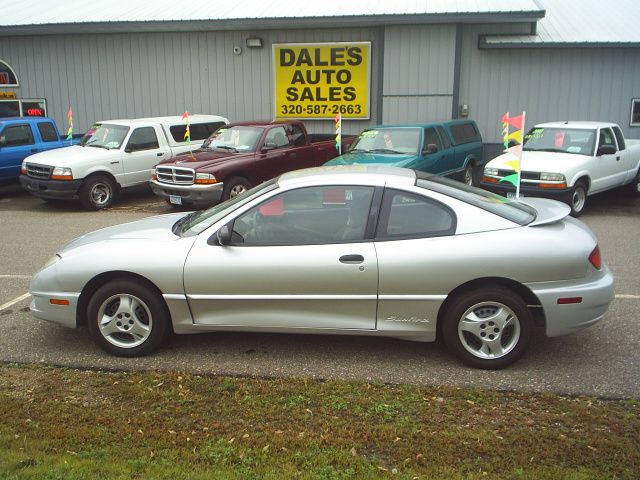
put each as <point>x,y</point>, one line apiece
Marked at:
<point>464,133</point>
<point>197,131</point>
<point>512,210</point>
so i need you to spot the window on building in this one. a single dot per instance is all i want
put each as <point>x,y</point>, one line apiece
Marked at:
<point>7,75</point>
<point>635,112</point>
<point>47,132</point>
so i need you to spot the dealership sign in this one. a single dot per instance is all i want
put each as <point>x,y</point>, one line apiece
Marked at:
<point>320,80</point>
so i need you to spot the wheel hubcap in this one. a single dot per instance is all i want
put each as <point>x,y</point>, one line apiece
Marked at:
<point>100,193</point>
<point>237,190</point>
<point>124,320</point>
<point>578,199</point>
<point>468,176</point>
<point>489,330</point>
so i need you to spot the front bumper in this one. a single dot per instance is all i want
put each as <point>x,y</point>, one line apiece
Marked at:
<point>597,293</point>
<point>55,189</point>
<point>505,188</point>
<point>197,195</point>
<point>64,315</point>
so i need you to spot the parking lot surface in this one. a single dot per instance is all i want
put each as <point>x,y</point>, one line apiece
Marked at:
<point>603,360</point>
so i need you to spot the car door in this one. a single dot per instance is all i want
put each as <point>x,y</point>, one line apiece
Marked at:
<point>298,260</point>
<point>142,153</point>
<point>433,161</point>
<point>413,243</point>
<point>608,169</point>
<point>16,143</point>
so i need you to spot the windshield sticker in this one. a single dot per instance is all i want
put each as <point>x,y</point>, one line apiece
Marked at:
<point>559,139</point>
<point>574,149</point>
<point>535,133</point>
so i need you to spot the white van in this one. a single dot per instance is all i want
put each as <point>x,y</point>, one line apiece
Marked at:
<point>113,154</point>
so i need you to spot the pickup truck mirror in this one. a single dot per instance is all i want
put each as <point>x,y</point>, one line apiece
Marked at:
<point>224,235</point>
<point>512,143</point>
<point>3,141</point>
<point>268,146</point>
<point>128,149</point>
<point>431,148</point>
<point>606,150</point>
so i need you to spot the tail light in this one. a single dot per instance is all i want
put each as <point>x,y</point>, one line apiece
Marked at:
<point>595,258</point>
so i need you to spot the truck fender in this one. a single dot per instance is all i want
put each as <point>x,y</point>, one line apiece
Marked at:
<point>102,171</point>
<point>581,175</point>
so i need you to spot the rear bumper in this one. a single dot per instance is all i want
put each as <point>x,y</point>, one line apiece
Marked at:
<point>57,189</point>
<point>197,195</point>
<point>504,188</point>
<point>597,293</point>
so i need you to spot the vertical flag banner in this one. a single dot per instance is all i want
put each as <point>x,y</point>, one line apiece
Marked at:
<point>338,120</point>
<point>516,150</point>
<point>70,122</point>
<point>187,132</point>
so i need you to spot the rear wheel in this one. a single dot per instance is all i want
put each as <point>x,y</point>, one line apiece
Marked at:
<point>578,199</point>
<point>127,318</point>
<point>488,328</point>
<point>97,192</point>
<point>634,186</point>
<point>234,187</point>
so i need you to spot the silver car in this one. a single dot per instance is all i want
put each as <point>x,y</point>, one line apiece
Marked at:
<point>337,250</point>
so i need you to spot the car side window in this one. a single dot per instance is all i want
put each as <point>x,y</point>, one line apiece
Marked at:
<point>444,137</point>
<point>606,138</point>
<point>276,138</point>
<point>17,135</point>
<point>431,137</point>
<point>47,132</point>
<point>306,216</point>
<point>618,133</point>
<point>143,138</point>
<point>408,215</point>
<point>297,136</point>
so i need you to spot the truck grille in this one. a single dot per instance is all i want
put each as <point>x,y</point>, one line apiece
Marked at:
<point>523,175</point>
<point>38,171</point>
<point>175,175</point>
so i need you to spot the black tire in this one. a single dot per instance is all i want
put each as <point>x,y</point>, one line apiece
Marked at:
<point>97,192</point>
<point>578,199</point>
<point>135,328</point>
<point>499,333</point>
<point>469,176</point>
<point>235,186</point>
<point>634,186</point>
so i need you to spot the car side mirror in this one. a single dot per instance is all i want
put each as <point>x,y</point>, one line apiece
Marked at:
<point>606,150</point>
<point>128,149</point>
<point>3,142</point>
<point>224,235</point>
<point>431,148</point>
<point>268,146</point>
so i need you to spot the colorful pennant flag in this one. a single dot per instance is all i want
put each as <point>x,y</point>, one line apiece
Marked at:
<point>515,150</point>
<point>70,122</point>
<point>338,120</point>
<point>187,131</point>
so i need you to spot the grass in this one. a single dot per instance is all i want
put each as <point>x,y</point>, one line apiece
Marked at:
<point>71,424</point>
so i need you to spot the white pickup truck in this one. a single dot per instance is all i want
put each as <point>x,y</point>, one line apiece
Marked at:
<point>113,154</point>
<point>569,161</point>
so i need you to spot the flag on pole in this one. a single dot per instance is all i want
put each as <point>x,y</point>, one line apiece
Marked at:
<point>515,150</point>
<point>338,120</point>
<point>187,132</point>
<point>70,122</point>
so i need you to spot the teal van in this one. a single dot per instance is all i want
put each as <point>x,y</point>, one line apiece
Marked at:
<point>451,148</point>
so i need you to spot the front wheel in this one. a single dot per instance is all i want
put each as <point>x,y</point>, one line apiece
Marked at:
<point>127,318</point>
<point>97,192</point>
<point>488,328</point>
<point>634,186</point>
<point>234,187</point>
<point>578,199</point>
<point>469,175</point>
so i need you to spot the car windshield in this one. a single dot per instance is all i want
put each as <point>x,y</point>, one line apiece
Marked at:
<point>105,135</point>
<point>512,210</point>
<point>388,140</point>
<point>235,139</point>
<point>564,140</point>
<point>196,222</point>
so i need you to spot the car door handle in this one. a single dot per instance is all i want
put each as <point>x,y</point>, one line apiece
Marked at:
<point>159,154</point>
<point>351,259</point>
<point>114,163</point>
<point>617,158</point>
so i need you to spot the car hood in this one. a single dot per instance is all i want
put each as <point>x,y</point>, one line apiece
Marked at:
<point>391,159</point>
<point>204,158</point>
<point>157,228</point>
<point>70,156</point>
<point>539,161</point>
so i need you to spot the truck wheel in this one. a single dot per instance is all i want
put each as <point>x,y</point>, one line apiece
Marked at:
<point>487,328</point>
<point>634,186</point>
<point>126,318</point>
<point>235,186</point>
<point>97,192</point>
<point>469,175</point>
<point>578,199</point>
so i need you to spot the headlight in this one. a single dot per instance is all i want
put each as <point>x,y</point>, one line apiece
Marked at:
<point>205,178</point>
<point>551,177</point>
<point>491,171</point>
<point>23,168</point>
<point>62,173</point>
<point>52,261</point>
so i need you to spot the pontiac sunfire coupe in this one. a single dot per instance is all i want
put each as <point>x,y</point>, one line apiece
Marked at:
<point>350,250</point>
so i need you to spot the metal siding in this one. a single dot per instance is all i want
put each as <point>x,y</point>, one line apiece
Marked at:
<point>418,73</point>
<point>549,84</point>
<point>152,74</point>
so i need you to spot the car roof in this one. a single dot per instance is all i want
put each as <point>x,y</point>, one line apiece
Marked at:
<point>575,124</point>
<point>350,174</point>
<point>166,121</point>
<point>421,125</point>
